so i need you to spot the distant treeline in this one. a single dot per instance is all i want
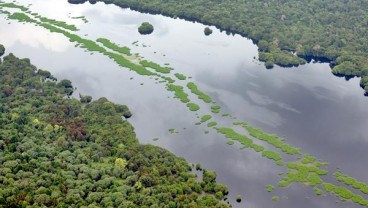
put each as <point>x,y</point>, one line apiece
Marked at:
<point>57,151</point>
<point>288,32</point>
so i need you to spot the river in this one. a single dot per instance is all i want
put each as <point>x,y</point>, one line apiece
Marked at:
<point>324,115</point>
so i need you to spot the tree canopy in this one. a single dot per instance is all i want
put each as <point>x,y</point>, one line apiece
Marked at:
<point>145,28</point>
<point>57,151</point>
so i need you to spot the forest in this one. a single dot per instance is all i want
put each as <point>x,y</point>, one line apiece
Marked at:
<point>288,32</point>
<point>60,151</point>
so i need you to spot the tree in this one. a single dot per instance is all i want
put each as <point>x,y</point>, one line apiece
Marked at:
<point>145,28</point>
<point>207,31</point>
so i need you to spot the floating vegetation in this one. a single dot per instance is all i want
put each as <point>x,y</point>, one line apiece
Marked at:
<point>83,18</point>
<point>318,191</point>
<point>225,115</point>
<point>215,109</point>
<point>172,131</point>
<point>180,76</point>
<point>108,44</point>
<point>14,6</point>
<point>212,124</point>
<point>350,181</point>
<point>155,139</point>
<point>345,194</point>
<point>194,89</point>
<point>270,188</point>
<point>230,142</point>
<point>272,155</point>
<point>61,24</point>
<point>275,198</point>
<point>205,118</point>
<point>21,17</point>
<point>158,68</point>
<point>270,139</point>
<point>193,106</point>
<point>179,92</point>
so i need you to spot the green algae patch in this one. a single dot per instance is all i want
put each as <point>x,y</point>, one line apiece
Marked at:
<point>179,92</point>
<point>156,67</point>
<point>345,194</point>
<point>193,106</point>
<point>270,139</point>
<point>270,188</point>
<point>230,142</point>
<point>350,181</point>
<point>155,139</point>
<point>14,6</point>
<point>318,191</point>
<point>108,44</point>
<point>61,24</point>
<point>215,109</point>
<point>180,76</point>
<point>201,95</point>
<point>205,118</point>
<point>212,124</point>
<point>307,174</point>
<point>275,198</point>
<point>21,17</point>
<point>123,62</point>
<point>172,131</point>
<point>272,155</point>
<point>243,139</point>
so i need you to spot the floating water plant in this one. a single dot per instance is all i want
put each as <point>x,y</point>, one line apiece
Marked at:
<point>201,95</point>
<point>212,124</point>
<point>180,76</point>
<point>108,44</point>
<point>215,109</point>
<point>205,118</point>
<point>179,92</point>
<point>158,68</point>
<point>193,106</point>
<point>270,188</point>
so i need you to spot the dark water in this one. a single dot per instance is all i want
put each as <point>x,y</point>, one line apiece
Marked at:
<point>324,115</point>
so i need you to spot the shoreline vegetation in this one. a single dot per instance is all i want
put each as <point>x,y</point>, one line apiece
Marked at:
<point>288,33</point>
<point>305,169</point>
<point>57,151</point>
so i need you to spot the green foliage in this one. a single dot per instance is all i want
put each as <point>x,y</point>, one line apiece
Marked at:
<point>61,24</point>
<point>145,28</point>
<point>270,188</point>
<point>108,44</point>
<point>212,124</point>
<point>194,89</point>
<point>215,109</point>
<point>158,68</point>
<point>271,155</point>
<point>205,118</point>
<point>2,50</point>
<point>207,31</point>
<point>275,198</point>
<point>230,142</point>
<point>273,140</point>
<point>350,181</point>
<point>57,152</point>
<point>180,76</point>
<point>193,106</point>
<point>179,92</point>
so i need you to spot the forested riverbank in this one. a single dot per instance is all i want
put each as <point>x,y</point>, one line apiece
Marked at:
<point>331,31</point>
<point>57,151</point>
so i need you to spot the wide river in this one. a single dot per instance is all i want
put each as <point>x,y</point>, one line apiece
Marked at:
<point>324,115</point>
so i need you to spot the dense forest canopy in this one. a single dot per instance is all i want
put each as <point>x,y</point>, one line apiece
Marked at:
<point>288,32</point>
<point>56,151</point>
